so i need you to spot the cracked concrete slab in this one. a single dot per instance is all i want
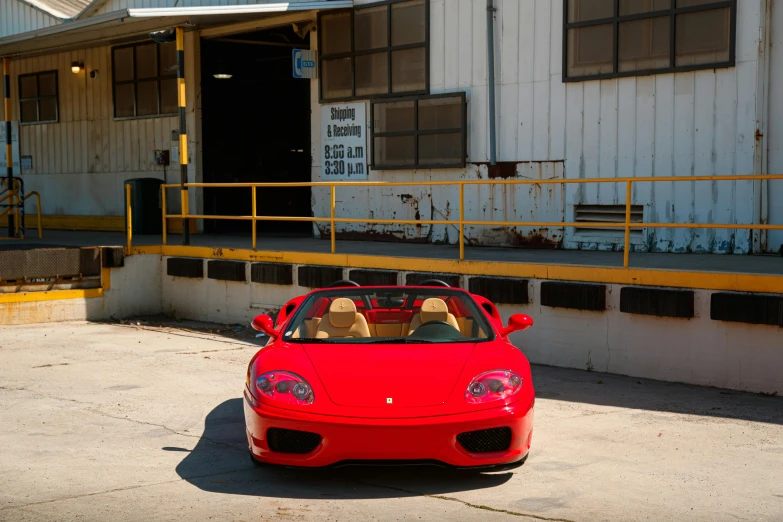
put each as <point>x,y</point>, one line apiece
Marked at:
<point>116,422</point>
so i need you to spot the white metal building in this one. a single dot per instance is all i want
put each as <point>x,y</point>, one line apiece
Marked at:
<point>584,89</point>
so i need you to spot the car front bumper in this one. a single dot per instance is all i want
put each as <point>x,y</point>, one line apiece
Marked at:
<point>431,439</point>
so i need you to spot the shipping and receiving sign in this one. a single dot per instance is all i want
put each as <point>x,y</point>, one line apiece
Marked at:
<point>14,148</point>
<point>344,141</point>
<point>304,63</point>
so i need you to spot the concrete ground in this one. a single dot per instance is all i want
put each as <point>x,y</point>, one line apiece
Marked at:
<point>771,264</point>
<point>142,422</point>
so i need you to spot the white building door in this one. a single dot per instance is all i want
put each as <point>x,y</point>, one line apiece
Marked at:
<point>775,129</point>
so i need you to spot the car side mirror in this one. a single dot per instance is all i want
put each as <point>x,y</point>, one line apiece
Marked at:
<point>264,323</point>
<point>517,323</point>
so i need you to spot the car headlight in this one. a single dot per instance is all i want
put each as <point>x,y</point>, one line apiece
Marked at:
<point>285,387</point>
<point>492,386</point>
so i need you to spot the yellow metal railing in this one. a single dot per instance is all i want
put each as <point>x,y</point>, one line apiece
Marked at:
<point>12,196</point>
<point>627,225</point>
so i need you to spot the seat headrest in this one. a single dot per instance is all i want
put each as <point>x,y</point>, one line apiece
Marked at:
<point>342,313</point>
<point>434,309</point>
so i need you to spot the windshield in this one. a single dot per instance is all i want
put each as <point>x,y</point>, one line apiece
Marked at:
<point>388,316</point>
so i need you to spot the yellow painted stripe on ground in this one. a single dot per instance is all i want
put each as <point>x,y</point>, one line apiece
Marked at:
<point>592,274</point>
<point>53,295</point>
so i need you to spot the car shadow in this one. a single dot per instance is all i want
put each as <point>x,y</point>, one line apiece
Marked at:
<point>220,463</point>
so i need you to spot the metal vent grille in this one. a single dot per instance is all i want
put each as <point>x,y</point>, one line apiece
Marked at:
<point>486,441</point>
<point>607,214</point>
<point>292,441</point>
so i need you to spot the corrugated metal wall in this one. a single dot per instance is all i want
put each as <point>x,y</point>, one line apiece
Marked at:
<point>775,129</point>
<point>671,124</point>
<point>80,163</point>
<point>685,124</point>
<point>16,17</point>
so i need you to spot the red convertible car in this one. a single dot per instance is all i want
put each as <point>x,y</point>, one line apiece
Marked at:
<point>389,375</point>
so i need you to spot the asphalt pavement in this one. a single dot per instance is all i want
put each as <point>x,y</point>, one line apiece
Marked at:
<point>144,422</point>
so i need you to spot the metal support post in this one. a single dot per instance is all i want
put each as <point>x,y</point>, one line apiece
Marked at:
<point>627,244</point>
<point>183,134</point>
<point>9,150</point>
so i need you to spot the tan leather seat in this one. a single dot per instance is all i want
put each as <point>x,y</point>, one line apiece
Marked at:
<point>309,327</point>
<point>342,320</point>
<point>433,309</point>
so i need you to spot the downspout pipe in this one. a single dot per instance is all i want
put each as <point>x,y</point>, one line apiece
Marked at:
<point>491,79</point>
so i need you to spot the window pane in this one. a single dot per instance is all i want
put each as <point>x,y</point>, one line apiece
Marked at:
<point>168,59</point>
<point>408,70</point>
<point>644,44</point>
<point>590,50</point>
<point>336,33</point>
<point>583,10</point>
<point>123,64</point>
<point>123,101</point>
<point>702,37</point>
<point>48,108</point>
<point>147,98</point>
<point>372,74</point>
<point>440,149</point>
<point>29,110</point>
<point>408,23</point>
<point>168,96</point>
<point>47,83</point>
<point>28,86</point>
<point>371,29</point>
<point>394,116</point>
<point>393,151</point>
<point>336,82</point>
<point>629,7</point>
<point>147,61</point>
<point>440,113</point>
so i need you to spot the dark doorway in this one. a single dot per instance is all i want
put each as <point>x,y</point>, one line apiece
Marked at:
<point>256,128</point>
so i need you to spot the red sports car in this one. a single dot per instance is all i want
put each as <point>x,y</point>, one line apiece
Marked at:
<point>389,375</point>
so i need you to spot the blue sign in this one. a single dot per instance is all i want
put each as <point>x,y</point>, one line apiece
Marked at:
<point>304,63</point>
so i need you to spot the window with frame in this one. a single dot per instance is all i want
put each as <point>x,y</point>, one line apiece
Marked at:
<point>377,50</point>
<point>38,101</point>
<point>616,38</point>
<point>144,80</point>
<point>427,132</point>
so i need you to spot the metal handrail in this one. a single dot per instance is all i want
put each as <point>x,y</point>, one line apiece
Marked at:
<point>627,225</point>
<point>15,206</point>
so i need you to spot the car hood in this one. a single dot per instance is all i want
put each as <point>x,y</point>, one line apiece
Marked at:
<point>389,376</point>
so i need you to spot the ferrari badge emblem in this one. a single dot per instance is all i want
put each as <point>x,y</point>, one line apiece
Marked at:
<point>389,400</point>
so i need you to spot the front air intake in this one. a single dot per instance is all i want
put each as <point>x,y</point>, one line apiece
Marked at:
<point>291,441</point>
<point>486,441</point>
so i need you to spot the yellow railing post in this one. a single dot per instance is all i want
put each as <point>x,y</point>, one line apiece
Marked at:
<point>40,225</point>
<point>461,221</point>
<point>129,218</point>
<point>16,200</point>
<point>331,208</point>
<point>253,223</point>
<point>627,245</point>
<point>163,208</point>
